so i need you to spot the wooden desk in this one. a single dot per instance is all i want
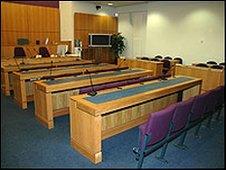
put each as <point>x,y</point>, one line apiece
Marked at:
<point>93,119</point>
<point>14,62</point>
<point>51,99</point>
<point>212,78</point>
<point>32,64</point>
<point>23,81</point>
<point>144,64</point>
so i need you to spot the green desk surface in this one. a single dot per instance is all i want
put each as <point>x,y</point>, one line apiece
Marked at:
<point>69,79</point>
<point>101,98</point>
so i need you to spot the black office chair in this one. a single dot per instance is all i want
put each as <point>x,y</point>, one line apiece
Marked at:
<point>222,64</point>
<point>202,65</point>
<point>216,67</point>
<point>180,60</point>
<point>158,57</point>
<point>144,58</point>
<point>19,52</point>
<point>211,62</point>
<point>168,58</point>
<point>165,69</point>
<point>44,52</point>
<point>154,59</point>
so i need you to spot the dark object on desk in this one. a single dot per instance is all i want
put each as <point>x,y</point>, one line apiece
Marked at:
<point>158,57</point>
<point>211,62</point>
<point>216,67</point>
<point>44,52</point>
<point>19,52</point>
<point>37,42</point>
<point>168,58</point>
<point>68,52</point>
<point>154,59</point>
<point>180,60</point>
<point>202,65</point>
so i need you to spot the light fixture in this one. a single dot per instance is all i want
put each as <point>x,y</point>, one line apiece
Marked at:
<point>116,14</point>
<point>110,3</point>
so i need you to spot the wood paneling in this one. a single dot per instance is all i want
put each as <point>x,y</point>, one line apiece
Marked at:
<point>212,78</point>
<point>88,23</point>
<point>30,22</point>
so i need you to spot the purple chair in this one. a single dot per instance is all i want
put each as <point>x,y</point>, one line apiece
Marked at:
<point>210,106</point>
<point>180,121</point>
<point>153,133</point>
<point>219,91</point>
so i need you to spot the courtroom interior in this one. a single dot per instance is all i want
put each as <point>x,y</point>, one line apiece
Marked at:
<point>112,84</point>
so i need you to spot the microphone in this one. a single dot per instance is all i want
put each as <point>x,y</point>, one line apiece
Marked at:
<point>122,61</point>
<point>50,73</point>
<point>93,92</point>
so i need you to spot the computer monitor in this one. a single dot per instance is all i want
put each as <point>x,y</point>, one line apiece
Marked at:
<point>62,49</point>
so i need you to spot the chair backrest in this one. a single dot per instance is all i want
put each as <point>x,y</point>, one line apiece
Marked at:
<point>181,113</point>
<point>158,124</point>
<point>211,102</point>
<point>158,56</point>
<point>199,106</point>
<point>154,59</point>
<point>222,64</point>
<point>144,58</point>
<point>211,62</point>
<point>216,67</point>
<point>201,65</point>
<point>179,59</point>
<point>44,52</point>
<point>219,92</point>
<point>19,52</point>
<point>166,63</point>
<point>168,58</point>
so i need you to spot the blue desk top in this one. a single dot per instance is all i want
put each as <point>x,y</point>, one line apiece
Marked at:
<point>69,79</point>
<point>101,98</point>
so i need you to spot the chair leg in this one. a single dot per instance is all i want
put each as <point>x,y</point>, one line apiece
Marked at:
<point>180,144</point>
<point>140,161</point>
<point>162,154</point>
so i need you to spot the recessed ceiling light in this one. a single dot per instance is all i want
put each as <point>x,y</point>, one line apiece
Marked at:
<point>109,3</point>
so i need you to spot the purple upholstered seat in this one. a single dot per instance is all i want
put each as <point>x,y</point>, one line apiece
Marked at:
<point>198,107</point>
<point>181,114</point>
<point>219,91</point>
<point>157,125</point>
<point>211,102</point>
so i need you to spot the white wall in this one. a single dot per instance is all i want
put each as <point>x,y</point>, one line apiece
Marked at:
<point>67,10</point>
<point>193,30</point>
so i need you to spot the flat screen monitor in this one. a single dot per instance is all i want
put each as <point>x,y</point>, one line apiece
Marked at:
<point>100,40</point>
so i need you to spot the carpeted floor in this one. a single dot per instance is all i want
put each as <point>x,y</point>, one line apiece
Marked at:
<point>25,143</point>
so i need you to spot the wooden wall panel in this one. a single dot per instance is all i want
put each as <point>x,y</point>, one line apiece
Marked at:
<point>14,17</point>
<point>89,23</point>
<point>30,22</point>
